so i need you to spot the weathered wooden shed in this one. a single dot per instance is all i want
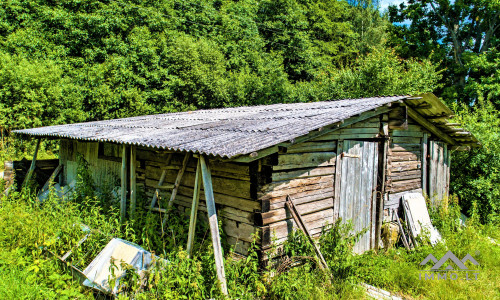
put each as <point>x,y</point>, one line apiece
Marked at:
<point>351,159</point>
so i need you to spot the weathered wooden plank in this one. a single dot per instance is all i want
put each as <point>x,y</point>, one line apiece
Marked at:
<point>240,203</point>
<point>398,118</point>
<point>312,147</point>
<point>194,210</point>
<point>280,193</point>
<point>382,166</point>
<point>256,155</point>
<point>302,173</point>
<point>398,176</point>
<point>429,126</point>
<point>405,185</point>
<point>393,200</point>
<point>300,198</point>
<point>315,220</point>
<point>33,164</point>
<point>404,156</point>
<point>305,160</point>
<point>338,178</point>
<point>297,217</point>
<point>133,180</point>
<point>407,140</point>
<point>293,183</point>
<point>282,214</point>
<point>123,176</point>
<point>407,133</point>
<point>337,136</point>
<point>214,225</point>
<point>401,147</point>
<point>232,187</point>
<point>239,230</point>
<point>424,164</point>
<point>404,166</point>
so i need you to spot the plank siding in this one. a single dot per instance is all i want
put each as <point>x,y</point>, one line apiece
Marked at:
<point>404,165</point>
<point>231,182</point>
<point>307,173</point>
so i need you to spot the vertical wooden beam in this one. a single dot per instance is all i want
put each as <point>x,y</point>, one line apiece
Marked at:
<point>194,210</point>
<point>338,178</point>
<point>424,164</point>
<point>382,182</point>
<point>214,226</point>
<point>123,177</point>
<point>448,166</point>
<point>33,164</point>
<point>133,180</point>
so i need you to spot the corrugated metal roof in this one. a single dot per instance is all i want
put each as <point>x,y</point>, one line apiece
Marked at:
<point>226,132</point>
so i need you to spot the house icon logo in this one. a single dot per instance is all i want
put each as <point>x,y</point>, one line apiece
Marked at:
<point>450,264</point>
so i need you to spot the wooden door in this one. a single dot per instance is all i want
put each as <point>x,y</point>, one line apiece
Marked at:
<point>439,171</point>
<point>357,198</point>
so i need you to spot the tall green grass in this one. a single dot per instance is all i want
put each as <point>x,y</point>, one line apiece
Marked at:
<point>27,271</point>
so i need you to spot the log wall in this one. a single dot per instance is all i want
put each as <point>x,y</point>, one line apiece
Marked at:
<point>306,172</point>
<point>410,166</point>
<point>231,183</point>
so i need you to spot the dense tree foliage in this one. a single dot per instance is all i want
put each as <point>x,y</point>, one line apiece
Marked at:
<point>64,61</point>
<point>73,60</point>
<point>476,173</point>
<point>462,38</point>
<point>454,34</point>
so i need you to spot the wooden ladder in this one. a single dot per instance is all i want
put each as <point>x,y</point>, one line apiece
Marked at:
<point>174,187</point>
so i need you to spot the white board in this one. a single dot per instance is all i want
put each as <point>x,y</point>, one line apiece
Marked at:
<point>417,216</point>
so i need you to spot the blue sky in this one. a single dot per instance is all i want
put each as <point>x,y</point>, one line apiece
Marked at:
<point>384,4</point>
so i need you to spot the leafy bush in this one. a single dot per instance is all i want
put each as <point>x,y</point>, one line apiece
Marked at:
<point>475,174</point>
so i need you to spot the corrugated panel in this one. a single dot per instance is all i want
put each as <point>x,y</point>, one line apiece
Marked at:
<point>227,132</point>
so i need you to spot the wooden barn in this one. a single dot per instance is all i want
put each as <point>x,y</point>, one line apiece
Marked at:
<point>351,159</point>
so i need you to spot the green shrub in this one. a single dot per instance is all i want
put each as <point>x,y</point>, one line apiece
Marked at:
<point>475,174</point>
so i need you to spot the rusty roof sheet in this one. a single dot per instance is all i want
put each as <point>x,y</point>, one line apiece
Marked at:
<point>226,132</point>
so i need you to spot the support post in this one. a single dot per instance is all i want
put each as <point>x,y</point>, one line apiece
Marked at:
<point>382,182</point>
<point>338,178</point>
<point>33,164</point>
<point>194,210</point>
<point>214,226</point>
<point>425,138</point>
<point>133,180</point>
<point>123,177</point>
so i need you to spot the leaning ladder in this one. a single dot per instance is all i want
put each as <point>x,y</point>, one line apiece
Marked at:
<point>174,186</point>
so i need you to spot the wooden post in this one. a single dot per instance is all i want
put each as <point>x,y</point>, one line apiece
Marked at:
<point>448,166</point>
<point>133,180</point>
<point>123,176</point>
<point>424,164</point>
<point>382,171</point>
<point>194,210</point>
<point>302,226</point>
<point>33,164</point>
<point>338,179</point>
<point>214,226</point>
